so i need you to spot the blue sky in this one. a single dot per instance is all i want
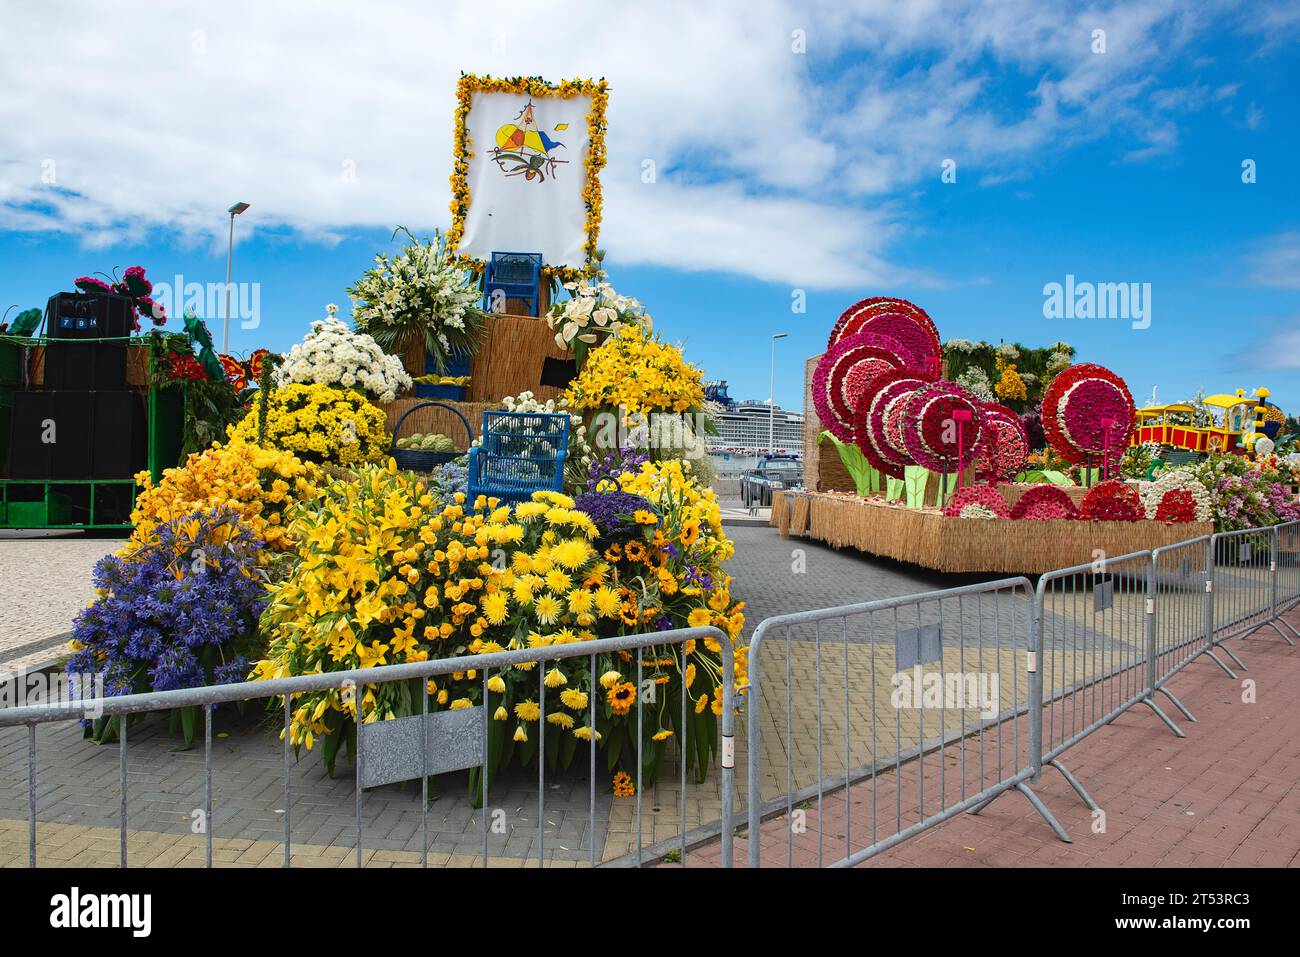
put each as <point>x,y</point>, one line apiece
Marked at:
<point>777,170</point>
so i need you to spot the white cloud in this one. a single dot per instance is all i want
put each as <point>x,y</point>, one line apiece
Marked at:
<point>772,164</point>
<point>1276,262</point>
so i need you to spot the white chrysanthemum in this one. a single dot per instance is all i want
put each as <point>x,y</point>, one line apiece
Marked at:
<point>333,355</point>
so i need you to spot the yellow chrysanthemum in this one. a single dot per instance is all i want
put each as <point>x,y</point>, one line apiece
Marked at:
<point>573,698</point>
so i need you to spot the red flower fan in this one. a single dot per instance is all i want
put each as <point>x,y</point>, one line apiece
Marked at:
<point>845,372</point>
<point>898,318</point>
<point>1006,444</point>
<point>878,420</point>
<point>1076,407</point>
<point>931,433</point>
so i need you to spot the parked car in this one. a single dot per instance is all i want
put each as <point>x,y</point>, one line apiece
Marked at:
<point>773,474</point>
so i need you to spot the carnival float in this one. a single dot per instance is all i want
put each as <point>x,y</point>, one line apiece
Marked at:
<point>973,457</point>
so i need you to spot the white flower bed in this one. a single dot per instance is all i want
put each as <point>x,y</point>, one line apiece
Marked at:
<point>333,355</point>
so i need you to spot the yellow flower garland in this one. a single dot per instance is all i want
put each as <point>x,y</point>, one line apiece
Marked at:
<point>470,84</point>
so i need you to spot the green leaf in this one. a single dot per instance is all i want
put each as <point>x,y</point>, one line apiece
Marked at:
<point>865,478</point>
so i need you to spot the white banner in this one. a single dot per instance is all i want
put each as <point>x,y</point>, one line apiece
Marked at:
<point>527,176</point>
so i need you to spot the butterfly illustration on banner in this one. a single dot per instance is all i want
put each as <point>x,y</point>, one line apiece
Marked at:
<point>524,150</point>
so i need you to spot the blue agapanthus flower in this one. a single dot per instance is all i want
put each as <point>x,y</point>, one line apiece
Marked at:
<point>171,612</point>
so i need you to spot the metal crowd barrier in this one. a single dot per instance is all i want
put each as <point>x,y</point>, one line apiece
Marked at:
<point>923,657</point>
<point>1095,640</point>
<point>404,749</point>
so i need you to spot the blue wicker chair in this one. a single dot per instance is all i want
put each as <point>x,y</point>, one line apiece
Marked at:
<point>519,453</point>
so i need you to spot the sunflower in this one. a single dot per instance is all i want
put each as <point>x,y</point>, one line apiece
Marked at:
<point>621,697</point>
<point>690,532</point>
<point>623,786</point>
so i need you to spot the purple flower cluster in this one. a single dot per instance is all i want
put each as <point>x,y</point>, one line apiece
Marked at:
<point>612,512</point>
<point>174,612</point>
<point>609,468</point>
<point>1284,506</point>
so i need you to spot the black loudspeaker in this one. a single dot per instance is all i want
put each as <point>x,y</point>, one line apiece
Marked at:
<point>78,435</point>
<point>120,446</point>
<point>85,365</point>
<point>72,414</point>
<point>29,456</point>
<point>79,315</point>
<point>558,372</point>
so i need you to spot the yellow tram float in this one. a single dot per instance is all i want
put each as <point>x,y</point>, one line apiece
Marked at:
<point>1230,424</point>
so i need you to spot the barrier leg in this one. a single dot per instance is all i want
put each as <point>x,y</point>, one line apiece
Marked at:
<point>1073,782</point>
<point>982,805</point>
<point>1287,626</point>
<point>1285,636</point>
<point>1240,664</point>
<point>1215,658</point>
<point>1177,704</point>
<point>1041,808</point>
<point>1164,717</point>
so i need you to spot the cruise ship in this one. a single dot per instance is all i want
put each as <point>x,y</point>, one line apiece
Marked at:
<point>743,431</point>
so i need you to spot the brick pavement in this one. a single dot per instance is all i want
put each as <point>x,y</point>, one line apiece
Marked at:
<point>1227,794</point>
<point>46,580</point>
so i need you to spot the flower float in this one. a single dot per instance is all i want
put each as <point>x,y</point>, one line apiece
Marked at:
<point>879,428</point>
<point>1006,444</point>
<point>845,372</point>
<point>977,501</point>
<point>1044,503</point>
<point>933,436</point>
<point>1112,501</point>
<point>1076,409</point>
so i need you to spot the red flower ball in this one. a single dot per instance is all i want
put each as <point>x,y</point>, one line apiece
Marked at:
<point>1176,506</point>
<point>1044,503</point>
<point>1112,501</point>
<point>985,495</point>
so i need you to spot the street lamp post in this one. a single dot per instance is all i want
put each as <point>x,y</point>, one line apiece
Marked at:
<point>230,252</point>
<point>771,397</point>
